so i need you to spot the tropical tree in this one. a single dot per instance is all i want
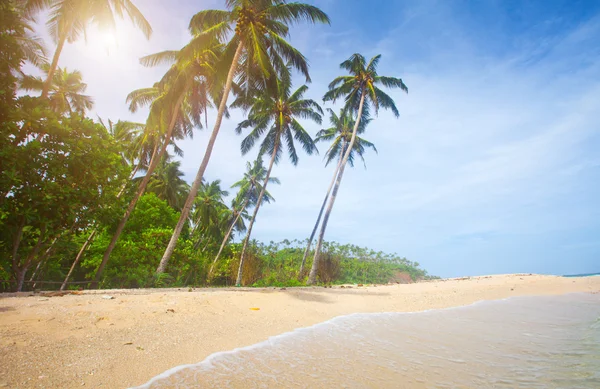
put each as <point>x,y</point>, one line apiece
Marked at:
<point>69,19</point>
<point>135,152</point>
<point>339,134</point>
<point>175,108</point>
<point>250,187</point>
<point>276,112</point>
<point>208,212</point>
<point>66,91</point>
<point>32,45</point>
<point>256,51</point>
<point>167,183</point>
<point>361,92</point>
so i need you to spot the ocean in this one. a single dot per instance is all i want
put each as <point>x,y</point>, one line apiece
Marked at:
<point>520,342</point>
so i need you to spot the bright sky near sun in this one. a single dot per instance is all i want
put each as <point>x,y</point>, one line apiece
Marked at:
<point>493,165</point>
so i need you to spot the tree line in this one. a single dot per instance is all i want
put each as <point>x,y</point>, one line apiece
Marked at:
<point>98,202</point>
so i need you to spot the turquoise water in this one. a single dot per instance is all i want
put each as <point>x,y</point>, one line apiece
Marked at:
<point>521,342</point>
<point>583,275</point>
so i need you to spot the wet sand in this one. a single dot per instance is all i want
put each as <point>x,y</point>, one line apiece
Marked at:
<point>89,340</point>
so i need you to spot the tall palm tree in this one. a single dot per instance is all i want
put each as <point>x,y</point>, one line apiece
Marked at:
<point>168,184</point>
<point>361,92</point>
<point>174,109</point>
<point>256,50</point>
<point>275,111</point>
<point>66,91</point>
<point>250,187</point>
<point>340,133</point>
<point>70,18</point>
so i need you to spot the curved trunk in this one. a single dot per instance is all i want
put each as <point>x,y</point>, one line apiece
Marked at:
<point>238,281</point>
<point>314,231</point>
<point>142,188</point>
<point>198,180</point>
<point>226,238</point>
<point>312,277</point>
<point>78,257</point>
<point>53,66</point>
<point>90,238</point>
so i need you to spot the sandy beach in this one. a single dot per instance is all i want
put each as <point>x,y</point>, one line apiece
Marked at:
<point>122,338</point>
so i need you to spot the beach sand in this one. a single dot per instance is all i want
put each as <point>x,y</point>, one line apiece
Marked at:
<point>89,340</point>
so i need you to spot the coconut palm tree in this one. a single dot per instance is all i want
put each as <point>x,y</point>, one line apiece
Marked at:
<point>69,19</point>
<point>209,210</point>
<point>361,92</point>
<point>65,92</point>
<point>32,46</point>
<point>136,152</point>
<point>340,134</point>
<point>250,187</point>
<point>175,109</point>
<point>276,111</point>
<point>256,51</point>
<point>168,184</point>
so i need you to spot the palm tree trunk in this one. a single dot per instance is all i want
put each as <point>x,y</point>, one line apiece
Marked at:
<point>238,282</point>
<point>198,180</point>
<point>79,256</point>
<point>95,230</point>
<point>142,188</point>
<point>314,231</point>
<point>226,238</point>
<point>53,65</point>
<point>312,277</point>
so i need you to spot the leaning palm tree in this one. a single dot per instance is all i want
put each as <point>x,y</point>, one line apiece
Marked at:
<point>360,91</point>
<point>173,109</point>
<point>340,135</point>
<point>276,112</point>
<point>70,18</point>
<point>256,50</point>
<point>66,91</point>
<point>136,153</point>
<point>250,187</point>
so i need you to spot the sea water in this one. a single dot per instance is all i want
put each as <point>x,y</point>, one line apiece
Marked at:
<point>521,342</point>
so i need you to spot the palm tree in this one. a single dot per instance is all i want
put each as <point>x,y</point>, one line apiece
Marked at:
<point>256,51</point>
<point>31,44</point>
<point>66,90</point>
<point>358,88</point>
<point>70,18</point>
<point>208,211</point>
<point>136,153</point>
<point>168,184</point>
<point>174,109</point>
<point>250,187</point>
<point>275,111</point>
<point>341,134</point>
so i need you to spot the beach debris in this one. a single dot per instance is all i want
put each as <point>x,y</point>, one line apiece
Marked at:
<point>359,285</point>
<point>342,286</point>
<point>255,309</point>
<point>139,348</point>
<point>190,289</point>
<point>107,297</point>
<point>171,310</point>
<point>283,289</point>
<point>44,299</point>
<point>127,343</point>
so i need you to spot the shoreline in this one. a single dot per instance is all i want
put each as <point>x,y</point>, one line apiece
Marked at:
<point>87,340</point>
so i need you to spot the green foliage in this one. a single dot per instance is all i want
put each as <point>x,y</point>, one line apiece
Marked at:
<point>59,174</point>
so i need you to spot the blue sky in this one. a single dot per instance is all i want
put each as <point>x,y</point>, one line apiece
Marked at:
<point>494,163</point>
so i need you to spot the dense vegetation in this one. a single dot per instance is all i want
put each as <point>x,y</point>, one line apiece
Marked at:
<point>93,203</point>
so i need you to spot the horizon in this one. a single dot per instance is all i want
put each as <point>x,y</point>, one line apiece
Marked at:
<point>492,167</point>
